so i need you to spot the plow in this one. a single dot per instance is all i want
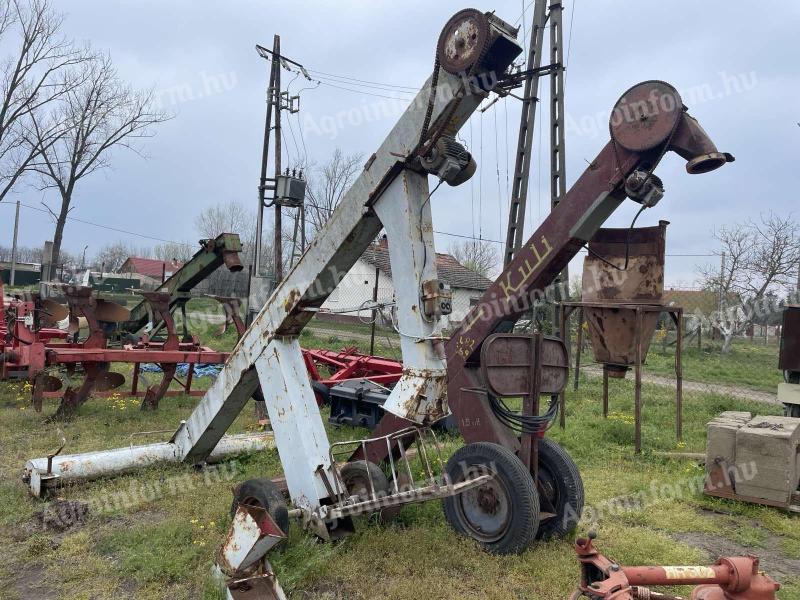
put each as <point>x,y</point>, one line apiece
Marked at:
<point>101,332</point>
<point>33,350</point>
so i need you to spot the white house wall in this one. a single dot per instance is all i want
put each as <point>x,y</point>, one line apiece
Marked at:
<point>357,287</point>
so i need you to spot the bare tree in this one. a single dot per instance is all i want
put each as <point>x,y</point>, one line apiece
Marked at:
<point>37,70</point>
<point>478,255</point>
<point>761,259</point>
<point>225,217</point>
<point>327,185</point>
<point>102,113</point>
<point>111,256</point>
<point>172,252</point>
<point>232,217</point>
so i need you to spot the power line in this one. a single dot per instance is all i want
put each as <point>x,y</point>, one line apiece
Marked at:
<point>363,92</point>
<point>99,225</point>
<point>365,81</point>
<point>477,239</point>
<point>569,42</point>
<point>370,86</point>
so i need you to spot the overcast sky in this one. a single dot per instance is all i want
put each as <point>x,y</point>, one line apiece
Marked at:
<point>738,76</point>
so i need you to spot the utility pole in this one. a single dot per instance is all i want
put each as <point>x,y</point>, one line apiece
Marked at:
<point>278,241</point>
<point>543,11</point>
<point>558,183</point>
<point>519,191</point>
<point>13,277</point>
<point>273,92</point>
<point>268,192</point>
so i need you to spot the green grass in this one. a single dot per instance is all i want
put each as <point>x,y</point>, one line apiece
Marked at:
<point>749,364</point>
<point>162,545</point>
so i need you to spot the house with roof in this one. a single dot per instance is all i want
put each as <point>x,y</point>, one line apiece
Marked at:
<point>698,305</point>
<point>149,270</point>
<point>356,288</point>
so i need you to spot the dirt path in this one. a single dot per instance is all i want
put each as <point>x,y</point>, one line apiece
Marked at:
<point>697,386</point>
<point>595,371</point>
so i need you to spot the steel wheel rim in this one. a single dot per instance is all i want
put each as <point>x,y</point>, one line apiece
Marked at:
<point>485,510</point>
<point>547,488</point>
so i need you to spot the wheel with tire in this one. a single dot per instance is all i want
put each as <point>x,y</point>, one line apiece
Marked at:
<point>502,514</point>
<point>362,477</point>
<point>264,494</point>
<point>560,490</point>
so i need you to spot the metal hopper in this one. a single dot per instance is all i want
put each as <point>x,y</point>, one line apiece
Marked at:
<point>624,268</point>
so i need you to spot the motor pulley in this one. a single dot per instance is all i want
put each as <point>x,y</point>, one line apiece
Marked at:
<point>450,161</point>
<point>645,188</point>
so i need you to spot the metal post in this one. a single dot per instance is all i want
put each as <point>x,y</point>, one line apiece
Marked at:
<point>605,393</point>
<point>529,450</point>
<point>302,229</point>
<point>679,377</point>
<point>558,183</point>
<point>579,347</point>
<point>277,251</point>
<point>374,312</point>
<point>564,334</point>
<point>519,192</point>
<point>637,409</point>
<point>13,277</point>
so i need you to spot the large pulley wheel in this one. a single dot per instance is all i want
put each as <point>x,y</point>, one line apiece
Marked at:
<point>502,514</point>
<point>463,40</point>
<point>262,493</point>
<point>560,490</point>
<point>646,116</point>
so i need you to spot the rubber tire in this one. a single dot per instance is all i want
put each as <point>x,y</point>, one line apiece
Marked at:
<point>523,497</point>
<point>791,410</point>
<point>264,493</point>
<point>358,473</point>
<point>568,490</point>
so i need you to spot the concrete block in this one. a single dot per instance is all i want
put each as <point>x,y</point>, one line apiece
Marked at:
<point>721,442</point>
<point>771,445</point>
<point>789,393</point>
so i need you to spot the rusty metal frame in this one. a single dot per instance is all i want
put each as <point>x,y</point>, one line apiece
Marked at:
<point>675,313</point>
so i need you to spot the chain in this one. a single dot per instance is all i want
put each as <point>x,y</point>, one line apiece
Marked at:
<point>459,96</point>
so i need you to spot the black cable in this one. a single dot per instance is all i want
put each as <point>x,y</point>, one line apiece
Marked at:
<point>524,424</point>
<point>424,245</point>
<point>627,246</point>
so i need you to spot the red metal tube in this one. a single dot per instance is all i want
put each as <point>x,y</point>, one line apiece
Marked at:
<point>690,575</point>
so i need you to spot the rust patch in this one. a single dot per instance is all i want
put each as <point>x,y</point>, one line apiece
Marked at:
<point>291,300</point>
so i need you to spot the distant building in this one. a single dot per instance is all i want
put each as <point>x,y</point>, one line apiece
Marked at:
<point>357,287</point>
<point>25,273</point>
<point>155,269</point>
<point>699,304</point>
